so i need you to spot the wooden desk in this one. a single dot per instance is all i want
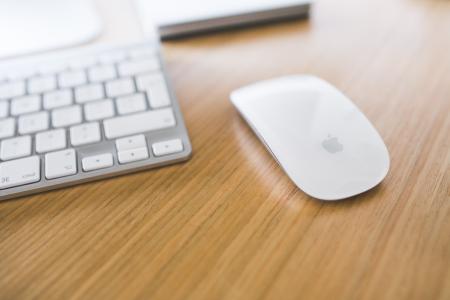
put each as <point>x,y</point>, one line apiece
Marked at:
<point>229,224</point>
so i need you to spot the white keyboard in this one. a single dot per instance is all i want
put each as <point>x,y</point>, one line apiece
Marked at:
<point>73,117</point>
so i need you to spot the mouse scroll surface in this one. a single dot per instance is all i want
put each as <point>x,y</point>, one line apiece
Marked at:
<point>318,136</point>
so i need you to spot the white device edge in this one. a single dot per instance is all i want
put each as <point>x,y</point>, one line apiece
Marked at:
<point>204,25</point>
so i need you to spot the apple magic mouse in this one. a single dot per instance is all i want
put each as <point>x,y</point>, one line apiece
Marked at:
<point>320,138</point>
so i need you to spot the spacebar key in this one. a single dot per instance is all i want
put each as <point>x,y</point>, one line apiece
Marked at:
<point>137,123</point>
<point>19,172</point>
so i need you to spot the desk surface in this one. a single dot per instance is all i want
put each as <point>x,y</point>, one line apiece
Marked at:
<point>229,224</point>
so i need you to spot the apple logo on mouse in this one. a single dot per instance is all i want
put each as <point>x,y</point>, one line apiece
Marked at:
<point>332,145</point>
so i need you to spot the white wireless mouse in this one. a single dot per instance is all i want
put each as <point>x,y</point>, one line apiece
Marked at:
<point>320,138</point>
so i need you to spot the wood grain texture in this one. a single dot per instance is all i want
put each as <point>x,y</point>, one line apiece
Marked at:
<point>229,224</point>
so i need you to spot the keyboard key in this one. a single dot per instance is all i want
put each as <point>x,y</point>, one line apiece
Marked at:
<point>131,104</point>
<point>158,95</point>
<point>33,122</point>
<point>97,162</point>
<point>52,68</point>
<point>21,73</point>
<point>12,89</point>
<point>131,142</point>
<point>66,116</point>
<point>85,134</point>
<point>89,93</point>
<point>112,57</point>
<point>57,99</point>
<point>50,140</point>
<point>131,68</point>
<point>128,156</point>
<point>7,128</point>
<point>19,172</point>
<point>138,123</point>
<point>143,52</point>
<point>4,107</point>
<point>41,84</point>
<point>167,147</point>
<point>120,87</point>
<point>26,104</point>
<point>72,78</point>
<point>60,164</point>
<point>99,110</point>
<point>15,147</point>
<point>101,73</point>
<point>82,63</point>
<point>146,81</point>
